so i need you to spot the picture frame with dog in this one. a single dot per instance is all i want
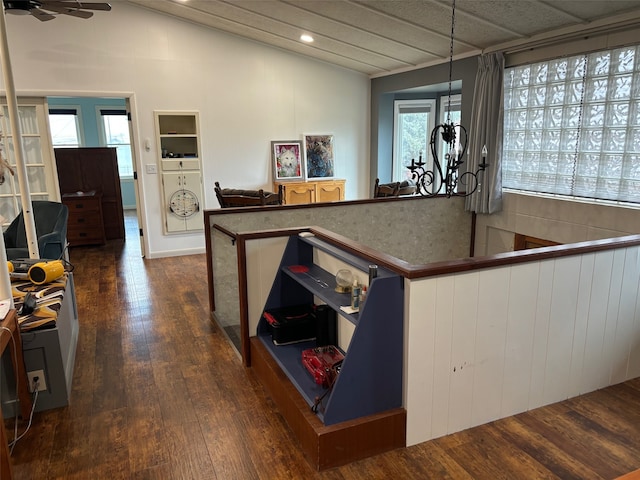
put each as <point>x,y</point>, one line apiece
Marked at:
<point>287,160</point>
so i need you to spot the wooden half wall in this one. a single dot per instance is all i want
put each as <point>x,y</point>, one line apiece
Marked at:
<point>508,333</point>
<point>417,230</point>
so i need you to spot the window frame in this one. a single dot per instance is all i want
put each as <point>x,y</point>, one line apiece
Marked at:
<point>121,111</point>
<point>53,110</point>
<point>432,105</point>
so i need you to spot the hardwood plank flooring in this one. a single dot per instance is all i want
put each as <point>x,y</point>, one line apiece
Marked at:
<point>160,393</point>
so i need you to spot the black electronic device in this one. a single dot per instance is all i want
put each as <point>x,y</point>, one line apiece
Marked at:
<point>326,323</point>
<point>28,304</point>
<point>291,324</point>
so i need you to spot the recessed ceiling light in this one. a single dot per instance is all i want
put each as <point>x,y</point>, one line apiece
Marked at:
<point>305,37</point>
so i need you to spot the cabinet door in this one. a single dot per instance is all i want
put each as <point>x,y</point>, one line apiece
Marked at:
<point>183,200</point>
<point>296,193</point>
<point>330,191</point>
<point>178,150</point>
<point>41,176</point>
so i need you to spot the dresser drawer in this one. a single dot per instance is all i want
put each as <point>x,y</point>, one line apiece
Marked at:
<point>79,206</point>
<point>85,236</point>
<point>85,225</point>
<point>85,220</point>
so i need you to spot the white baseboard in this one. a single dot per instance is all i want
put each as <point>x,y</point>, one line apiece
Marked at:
<point>176,253</point>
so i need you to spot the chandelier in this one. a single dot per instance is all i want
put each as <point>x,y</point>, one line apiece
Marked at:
<point>444,178</point>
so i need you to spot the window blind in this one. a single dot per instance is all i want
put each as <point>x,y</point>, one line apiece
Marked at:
<point>572,126</point>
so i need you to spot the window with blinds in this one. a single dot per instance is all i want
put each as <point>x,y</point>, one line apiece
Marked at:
<point>572,126</point>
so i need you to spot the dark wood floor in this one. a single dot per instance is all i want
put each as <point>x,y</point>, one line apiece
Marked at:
<point>159,393</point>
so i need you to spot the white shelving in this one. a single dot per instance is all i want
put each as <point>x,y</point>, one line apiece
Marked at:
<point>179,162</point>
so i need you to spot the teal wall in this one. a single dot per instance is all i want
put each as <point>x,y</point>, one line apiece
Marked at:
<point>419,83</point>
<point>90,130</point>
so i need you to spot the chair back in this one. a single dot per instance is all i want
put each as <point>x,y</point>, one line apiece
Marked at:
<point>385,189</point>
<point>406,188</point>
<point>50,220</point>
<point>232,197</point>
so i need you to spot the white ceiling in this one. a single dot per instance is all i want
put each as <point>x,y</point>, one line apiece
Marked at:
<point>377,37</point>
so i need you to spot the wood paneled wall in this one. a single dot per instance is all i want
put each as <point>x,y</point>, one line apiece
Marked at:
<point>490,343</point>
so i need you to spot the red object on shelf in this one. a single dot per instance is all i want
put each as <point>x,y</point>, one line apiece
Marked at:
<point>298,268</point>
<point>323,363</point>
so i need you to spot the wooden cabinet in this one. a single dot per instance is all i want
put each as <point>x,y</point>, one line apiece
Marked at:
<point>86,224</point>
<point>94,168</point>
<point>365,401</point>
<point>312,191</point>
<point>180,170</point>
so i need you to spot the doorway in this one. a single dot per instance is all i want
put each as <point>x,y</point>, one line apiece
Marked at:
<point>102,122</point>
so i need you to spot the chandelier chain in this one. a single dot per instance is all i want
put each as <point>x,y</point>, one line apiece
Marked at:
<point>453,24</point>
<point>445,174</point>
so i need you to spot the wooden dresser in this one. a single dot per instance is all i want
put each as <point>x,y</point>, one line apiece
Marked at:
<point>86,225</point>
<point>94,168</point>
<point>312,191</point>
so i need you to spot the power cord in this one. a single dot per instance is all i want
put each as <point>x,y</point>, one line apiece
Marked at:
<point>68,266</point>
<point>12,444</point>
<point>36,383</point>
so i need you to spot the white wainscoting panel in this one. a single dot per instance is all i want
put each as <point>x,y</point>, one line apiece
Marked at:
<point>442,361</point>
<point>627,333</point>
<point>491,343</point>
<point>562,318</point>
<point>521,317</point>
<point>491,334</point>
<point>462,348</point>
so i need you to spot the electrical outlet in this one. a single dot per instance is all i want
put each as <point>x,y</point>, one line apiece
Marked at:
<point>42,384</point>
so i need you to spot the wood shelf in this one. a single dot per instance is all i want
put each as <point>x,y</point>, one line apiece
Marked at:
<point>367,394</point>
<point>326,446</point>
<point>178,144</point>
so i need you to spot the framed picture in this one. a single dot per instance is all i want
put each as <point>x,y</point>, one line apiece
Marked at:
<point>287,160</point>
<point>318,154</point>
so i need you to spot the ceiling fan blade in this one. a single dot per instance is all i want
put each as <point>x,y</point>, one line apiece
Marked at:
<point>74,4</point>
<point>41,15</point>
<point>68,11</point>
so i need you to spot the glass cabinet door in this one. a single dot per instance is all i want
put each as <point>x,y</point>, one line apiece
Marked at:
<point>38,157</point>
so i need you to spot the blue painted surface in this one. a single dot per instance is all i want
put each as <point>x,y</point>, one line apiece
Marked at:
<point>90,128</point>
<point>91,123</point>
<point>370,380</point>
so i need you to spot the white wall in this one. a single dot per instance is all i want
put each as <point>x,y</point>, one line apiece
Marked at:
<point>247,95</point>
<point>555,219</point>
<point>492,343</point>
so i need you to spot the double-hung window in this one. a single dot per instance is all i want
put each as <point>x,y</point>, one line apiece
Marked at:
<point>64,127</point>
<point>115,123</point>
<point>413,122</point>
<point>572,126</point>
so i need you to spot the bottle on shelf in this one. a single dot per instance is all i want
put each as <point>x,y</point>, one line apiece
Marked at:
<point>355,295</point>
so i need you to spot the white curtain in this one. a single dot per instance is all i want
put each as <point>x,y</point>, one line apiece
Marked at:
<point>486,129</point>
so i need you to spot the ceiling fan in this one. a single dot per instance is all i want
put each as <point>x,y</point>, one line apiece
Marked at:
<point>45,10</point>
